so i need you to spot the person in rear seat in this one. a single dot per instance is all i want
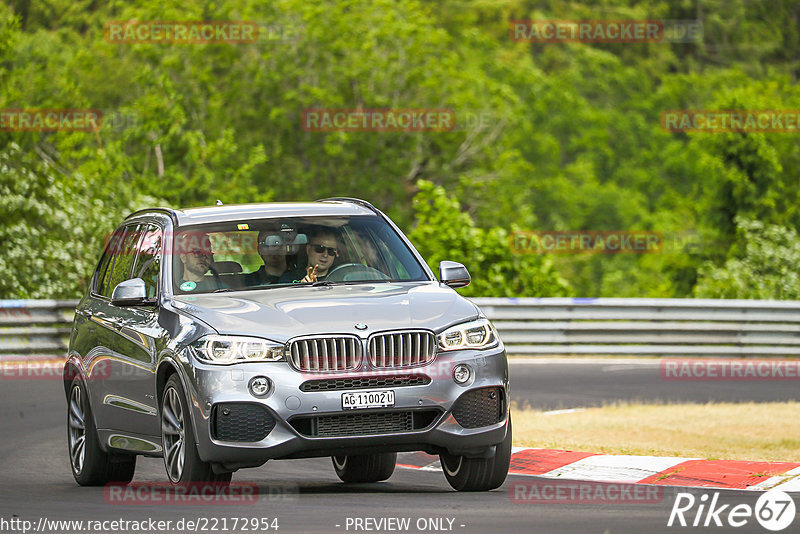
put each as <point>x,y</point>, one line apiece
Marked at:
<point>273,251</point>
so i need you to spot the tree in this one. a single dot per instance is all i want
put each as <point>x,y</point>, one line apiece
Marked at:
<point>441,231</point>
<point>763,265</point>
<point>54,226</point>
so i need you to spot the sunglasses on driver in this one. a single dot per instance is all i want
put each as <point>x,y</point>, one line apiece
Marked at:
<point>319,249</point>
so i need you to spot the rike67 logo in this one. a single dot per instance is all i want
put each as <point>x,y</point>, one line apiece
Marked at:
<point>774,510</point>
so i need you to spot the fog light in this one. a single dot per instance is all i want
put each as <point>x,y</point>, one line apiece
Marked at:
<point>462,373</point>
<point>259,386</point>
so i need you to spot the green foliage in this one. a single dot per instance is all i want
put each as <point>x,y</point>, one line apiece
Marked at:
<point>443,232</point>
<point>763,265</point>
<point>53,226</point>
<point>567,136</point>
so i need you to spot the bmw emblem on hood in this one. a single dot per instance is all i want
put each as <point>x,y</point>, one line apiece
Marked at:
<point>361,326</point>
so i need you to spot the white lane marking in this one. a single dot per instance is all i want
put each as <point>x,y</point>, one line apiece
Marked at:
<point>788,481</point>
<point>616,368</point>
<point>527,360</point>
<point>560,412</point>
<point>615,468</point>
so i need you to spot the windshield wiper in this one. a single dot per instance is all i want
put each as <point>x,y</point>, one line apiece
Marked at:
<point>322,283</point>
<point>262,286</point>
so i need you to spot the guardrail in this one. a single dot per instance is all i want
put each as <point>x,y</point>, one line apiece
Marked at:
<point>658,327</point>
<point>603,326</point>
<point>35,327</point>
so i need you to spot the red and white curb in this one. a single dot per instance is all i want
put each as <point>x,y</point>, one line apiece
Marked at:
<point>629,469</point>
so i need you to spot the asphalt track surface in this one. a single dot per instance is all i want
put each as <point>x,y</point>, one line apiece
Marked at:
<point>306,496</point>
<point>553,384</point>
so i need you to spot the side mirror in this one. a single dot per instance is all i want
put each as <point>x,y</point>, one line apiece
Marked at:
<point>453,274</point>
<point>129,293</point>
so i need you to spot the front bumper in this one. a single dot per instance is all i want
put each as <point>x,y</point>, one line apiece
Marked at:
<point>211,385</point>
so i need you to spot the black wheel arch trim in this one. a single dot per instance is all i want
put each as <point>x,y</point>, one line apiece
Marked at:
<point>168,365</point>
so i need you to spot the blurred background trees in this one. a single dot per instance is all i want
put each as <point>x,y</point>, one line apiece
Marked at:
<point>549,136</point>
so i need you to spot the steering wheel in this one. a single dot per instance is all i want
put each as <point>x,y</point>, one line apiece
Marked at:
<point>355,272</point>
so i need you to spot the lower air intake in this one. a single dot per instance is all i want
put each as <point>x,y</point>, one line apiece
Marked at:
<point>239,421</point>
<point>480,407</point>
<point>364,424</point>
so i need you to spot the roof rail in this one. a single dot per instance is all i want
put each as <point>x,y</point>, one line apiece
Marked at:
<point>167,211</point>
<point>358,201</point>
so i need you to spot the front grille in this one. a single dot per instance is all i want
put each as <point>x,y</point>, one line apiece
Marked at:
<point>366,382</point>
<point>322,354</point>
<point>402,349</point>
<point>480,407</point>
<point>364,424</point>
<point>232,421</point>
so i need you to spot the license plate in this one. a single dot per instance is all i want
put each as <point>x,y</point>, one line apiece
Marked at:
<point>367,399</point>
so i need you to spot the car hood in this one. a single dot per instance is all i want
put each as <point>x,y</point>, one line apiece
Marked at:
<point>282,313</point>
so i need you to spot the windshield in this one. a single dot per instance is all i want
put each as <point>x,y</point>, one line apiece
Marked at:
<point>257,254</point>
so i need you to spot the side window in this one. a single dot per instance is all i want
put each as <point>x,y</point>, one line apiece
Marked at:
<point>396,252</point>
<point>148,260</point>
<point>120,269</point>
<point>106,262</point>
<point>397,266</point>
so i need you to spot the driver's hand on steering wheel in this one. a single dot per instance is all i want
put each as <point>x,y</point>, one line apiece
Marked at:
<point>311,274</point>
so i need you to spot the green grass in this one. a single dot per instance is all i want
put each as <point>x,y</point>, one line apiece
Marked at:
<point>746,431</point>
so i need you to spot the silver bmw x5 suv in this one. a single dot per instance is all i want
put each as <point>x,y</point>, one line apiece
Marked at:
<point>222,337</point>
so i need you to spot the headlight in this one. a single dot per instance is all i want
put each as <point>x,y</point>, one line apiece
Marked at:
<point>478,334</point>
<point>236,349</point>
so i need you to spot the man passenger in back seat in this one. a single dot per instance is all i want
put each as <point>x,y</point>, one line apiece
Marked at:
<point>272,250</point>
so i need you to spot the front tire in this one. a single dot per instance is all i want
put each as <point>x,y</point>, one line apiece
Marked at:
<point>181,459</point>
<point>91,465</point>
<point>365,468</point>
<point>479,474</point>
